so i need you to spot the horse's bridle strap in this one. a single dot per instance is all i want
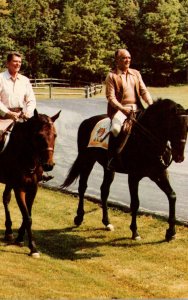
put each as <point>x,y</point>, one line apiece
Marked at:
<point>47,149</point>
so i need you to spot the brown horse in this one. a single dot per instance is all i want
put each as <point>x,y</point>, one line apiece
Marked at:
<point>146,154</point>
<point>29,152</point>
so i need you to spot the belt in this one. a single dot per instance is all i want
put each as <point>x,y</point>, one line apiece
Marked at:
<point>15,109</point>
<point>133,106</point>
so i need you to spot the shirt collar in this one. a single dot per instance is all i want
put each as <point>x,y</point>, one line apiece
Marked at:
<point>8,75</point>
<point>120,72</point>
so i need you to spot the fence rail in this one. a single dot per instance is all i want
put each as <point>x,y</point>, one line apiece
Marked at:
<point>52,87</point>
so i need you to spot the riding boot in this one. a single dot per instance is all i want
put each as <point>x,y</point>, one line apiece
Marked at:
<point>116,144</point>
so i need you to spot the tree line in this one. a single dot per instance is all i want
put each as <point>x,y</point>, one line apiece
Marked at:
<point>76,39</point>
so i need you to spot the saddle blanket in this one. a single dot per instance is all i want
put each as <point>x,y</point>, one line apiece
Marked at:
<point>4,124</point>
<point>99,132</point>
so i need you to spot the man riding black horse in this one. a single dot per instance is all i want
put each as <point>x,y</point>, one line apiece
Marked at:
<point>124,88</point>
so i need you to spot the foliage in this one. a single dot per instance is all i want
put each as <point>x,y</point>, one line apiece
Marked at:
<point>6,42</point>
<point>34,25</point>
<point>161,37</point>
<point>77,39</point>
<point>88,38</point>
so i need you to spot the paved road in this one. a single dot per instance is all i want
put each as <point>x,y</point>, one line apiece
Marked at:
<point>151,197</point>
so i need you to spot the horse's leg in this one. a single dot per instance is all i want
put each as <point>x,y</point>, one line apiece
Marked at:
<point>25,201</point>
<point>8,222</point>
<point>163,183</point>
<point>133,182</point>
<point>105,190</point>
<point>21,233</point>
<point>84,174</point>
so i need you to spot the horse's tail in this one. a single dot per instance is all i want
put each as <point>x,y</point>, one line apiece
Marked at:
<point>73,173</point>
<point>83,137</point>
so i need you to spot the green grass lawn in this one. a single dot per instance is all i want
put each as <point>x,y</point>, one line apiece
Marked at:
<point>177,93</point>
<point>89,262</point>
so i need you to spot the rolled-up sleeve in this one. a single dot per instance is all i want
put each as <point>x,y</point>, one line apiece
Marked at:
<point>30,99</point>
<point>3,107</point>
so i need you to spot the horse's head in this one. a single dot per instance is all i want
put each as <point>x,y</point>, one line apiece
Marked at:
<point>43,135</point>
<point>167,121</point>
<point>178,133</point>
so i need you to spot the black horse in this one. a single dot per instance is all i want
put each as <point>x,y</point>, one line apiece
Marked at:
<point>146,154</point>
<point>29,152</point>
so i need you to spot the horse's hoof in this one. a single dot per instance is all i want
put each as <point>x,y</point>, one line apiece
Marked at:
<point>19,243</point>
<point>110,227</point>
<point>169,238</point>
<point>170,235</point>
<point>9,238</point>
<point>34,254</point>
<point>77,221</point>
<point>136,237</point>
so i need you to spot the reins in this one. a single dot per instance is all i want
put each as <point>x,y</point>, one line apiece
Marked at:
<point>147,133</point>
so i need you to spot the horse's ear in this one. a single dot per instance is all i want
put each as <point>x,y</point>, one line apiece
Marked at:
<point>55,116</point>
<point>181,111</point>
<point>35,113</point>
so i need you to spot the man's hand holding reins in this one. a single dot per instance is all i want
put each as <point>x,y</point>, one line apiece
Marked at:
<point>12,115</point>
<point>126,110</point>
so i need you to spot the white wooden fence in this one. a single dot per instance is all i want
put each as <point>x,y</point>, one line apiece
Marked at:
<point>52,87</point>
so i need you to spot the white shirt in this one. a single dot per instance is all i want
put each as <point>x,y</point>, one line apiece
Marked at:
<point>16,94</point>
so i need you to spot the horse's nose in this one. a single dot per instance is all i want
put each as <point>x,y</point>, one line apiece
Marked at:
<point>48,167</point>
<point>179,159</point>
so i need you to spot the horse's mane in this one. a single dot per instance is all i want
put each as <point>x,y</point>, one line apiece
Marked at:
<point>161,109</point>
<point>165,103</point>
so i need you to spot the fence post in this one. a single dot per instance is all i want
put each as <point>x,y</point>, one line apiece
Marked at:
<point>50,90</point>
<point>87,91</point>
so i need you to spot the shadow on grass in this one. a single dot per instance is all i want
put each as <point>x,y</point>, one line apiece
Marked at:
<point>61,244</point>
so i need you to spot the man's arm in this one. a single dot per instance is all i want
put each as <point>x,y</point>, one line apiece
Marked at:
<point>144,91</point>
<point>30,100</point>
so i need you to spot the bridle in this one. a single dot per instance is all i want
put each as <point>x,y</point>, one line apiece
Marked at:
<point>48,149</point>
